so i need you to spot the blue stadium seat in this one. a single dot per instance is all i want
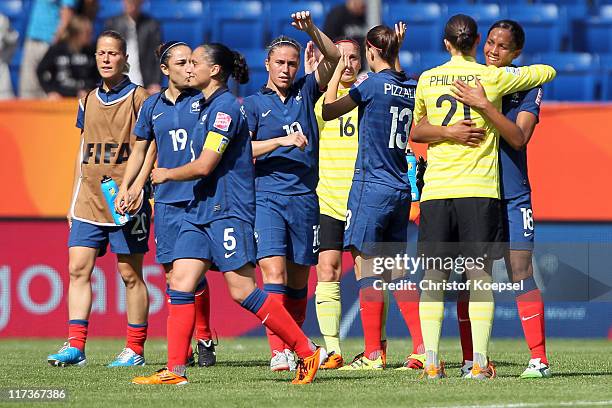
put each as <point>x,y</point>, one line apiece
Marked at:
<point>410,63</point>
<point>606,71</point>
<point>279,18</point>
<point>576,76</point>
<point>571,14</point>
<point>430,60</point>
<point>541,24</point>
<point>484,14</point>
<point>424,23</point>
<point>16,13</point>
<point>238,24</point>
<point>109,8</point>
<point>594,34</point>
<point>180,20</point>
<point>258,76</point>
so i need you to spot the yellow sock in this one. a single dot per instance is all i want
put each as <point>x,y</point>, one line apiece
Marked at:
<point>431,312</point>
<point>327,299</point>
<point>481,310</point>
<point>383,326</point>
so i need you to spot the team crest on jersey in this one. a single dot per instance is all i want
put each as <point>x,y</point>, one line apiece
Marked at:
<point>361,78</point>
<point>513,70</point>
<point>516,98</point>
<point>222,121</point>
<point>195,107</point>
<point>299,96</point>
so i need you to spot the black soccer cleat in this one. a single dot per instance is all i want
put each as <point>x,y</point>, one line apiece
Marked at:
<point>207,356</point>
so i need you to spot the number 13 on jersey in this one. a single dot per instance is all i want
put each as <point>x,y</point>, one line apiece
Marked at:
<point>400,139</point>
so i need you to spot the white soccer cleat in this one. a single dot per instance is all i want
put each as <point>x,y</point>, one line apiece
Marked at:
<point>536,369</point>
<point>466,369</point>
<point>279,361</point>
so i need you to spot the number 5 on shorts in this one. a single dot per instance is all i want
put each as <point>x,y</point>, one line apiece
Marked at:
<point>229,241</point>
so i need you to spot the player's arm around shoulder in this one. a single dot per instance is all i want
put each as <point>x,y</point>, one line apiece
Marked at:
<point>515,79</point>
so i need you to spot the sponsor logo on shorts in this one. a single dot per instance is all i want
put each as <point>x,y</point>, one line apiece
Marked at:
<point>229,254</point>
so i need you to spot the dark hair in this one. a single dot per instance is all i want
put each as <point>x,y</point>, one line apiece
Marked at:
<point>163,51</point>
<point>461,31</point>
<point>281,41</point>
<point>517,32</point>
<point>384,39</point>
<point>115,36</point>
<point>231,62</point>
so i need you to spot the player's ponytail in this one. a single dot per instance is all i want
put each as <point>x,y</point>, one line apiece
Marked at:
<point>384,40</point>
<point>231,62</point>
<point>461,32</point>
<point>241,69</point>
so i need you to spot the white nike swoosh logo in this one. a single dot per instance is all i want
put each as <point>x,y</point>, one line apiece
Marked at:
<point>265,318</point>
<point>230,254</point>
<point>158,115</point>
<point>263,115</point>
<point>315,250</point>
<point>530,317</point>
<point>527,234</point>
<point>141,238</point>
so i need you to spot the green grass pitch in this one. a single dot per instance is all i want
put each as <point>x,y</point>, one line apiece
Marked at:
<point>582,372</point>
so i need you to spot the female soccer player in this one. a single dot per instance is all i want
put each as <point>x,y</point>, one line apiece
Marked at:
<point>460,202</point>
<point>379,200</point>
<point>105,148</point>
<point>167,119</point>
<point>337,152</point>
<point>521,110</point>
<point>285,136</point>
<point>218,226</point>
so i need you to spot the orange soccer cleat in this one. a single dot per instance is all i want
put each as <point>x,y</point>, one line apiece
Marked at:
<point>307,368</point>
<point>163,376</point>
<point>332,362</point>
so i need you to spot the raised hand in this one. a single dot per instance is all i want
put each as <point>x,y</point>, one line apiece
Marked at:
<point>302,21</point>
<point>400,32</point>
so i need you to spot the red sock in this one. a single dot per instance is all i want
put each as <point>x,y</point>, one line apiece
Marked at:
<point>465,326</point>
<point>136,337</point>
<point>296,301</point>
<point>274,340</point>
<point>77,333</point>
<point>277,320</point>
<point>408,303</point>
<point>372,307</point>
<point>531,312</point>
<point>181,321</point>
<point>202,314</point>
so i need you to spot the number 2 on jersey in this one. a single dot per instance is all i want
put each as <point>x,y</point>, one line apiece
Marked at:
<point>179,136</point>
<point>453,108</point>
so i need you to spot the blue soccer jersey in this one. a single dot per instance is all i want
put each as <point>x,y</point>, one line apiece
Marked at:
<point>513,163</point>
<point>230,190</point>
<point>171,126</point>
<point>286,170</point>
<point>386,102</point>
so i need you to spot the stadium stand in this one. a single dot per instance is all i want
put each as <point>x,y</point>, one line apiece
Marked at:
<point>562,30</point>
<point>576,76</point>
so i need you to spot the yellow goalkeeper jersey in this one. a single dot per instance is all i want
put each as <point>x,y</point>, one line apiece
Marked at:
<point>338,143</point>
<point>455,170</point>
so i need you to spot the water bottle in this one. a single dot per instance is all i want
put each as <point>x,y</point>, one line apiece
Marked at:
<point>110,190</point>
<point>412,175</point>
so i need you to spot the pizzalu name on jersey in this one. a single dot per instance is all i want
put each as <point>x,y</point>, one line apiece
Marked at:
<point>396,90</point>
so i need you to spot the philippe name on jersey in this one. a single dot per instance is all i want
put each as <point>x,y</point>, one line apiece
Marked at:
<point>447,80</point>
<point>109,153</point>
